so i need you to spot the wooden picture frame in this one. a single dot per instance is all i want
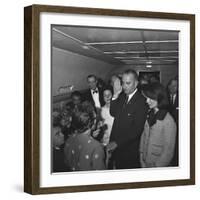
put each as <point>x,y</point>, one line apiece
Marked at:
<point>32,92</point>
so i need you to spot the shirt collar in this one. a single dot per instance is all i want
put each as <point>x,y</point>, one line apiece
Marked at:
<point>131,95</point>
<point>94,90</point>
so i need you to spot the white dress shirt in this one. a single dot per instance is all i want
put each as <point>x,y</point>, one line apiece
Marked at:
<point>172,98</point>
<point>95,97</point>
<point>131,95</point>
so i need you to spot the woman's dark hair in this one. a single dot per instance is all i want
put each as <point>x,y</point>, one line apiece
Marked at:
<point>108,87</point>
<point>156,91</point>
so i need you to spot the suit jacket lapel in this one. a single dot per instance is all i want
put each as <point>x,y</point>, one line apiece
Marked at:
<point>134,98</point>
<point>90,98</point>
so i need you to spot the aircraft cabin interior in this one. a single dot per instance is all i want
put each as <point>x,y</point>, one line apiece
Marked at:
<point>80,51</point>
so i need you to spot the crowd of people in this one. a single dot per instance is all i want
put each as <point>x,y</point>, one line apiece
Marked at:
<point>126,124</point>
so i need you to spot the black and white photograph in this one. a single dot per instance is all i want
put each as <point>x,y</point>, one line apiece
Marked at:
<point>109,99</point>
<point>114,98</point>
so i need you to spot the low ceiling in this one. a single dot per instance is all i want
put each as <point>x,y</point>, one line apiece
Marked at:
<point>119,46</point>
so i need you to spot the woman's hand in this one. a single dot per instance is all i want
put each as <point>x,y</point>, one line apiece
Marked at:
<point>96,133</point>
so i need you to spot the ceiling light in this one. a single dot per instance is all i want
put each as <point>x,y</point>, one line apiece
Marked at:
<point>85,47</point>
<point>148,66</point>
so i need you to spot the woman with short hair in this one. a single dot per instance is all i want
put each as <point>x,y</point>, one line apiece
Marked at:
<point>82,151</point>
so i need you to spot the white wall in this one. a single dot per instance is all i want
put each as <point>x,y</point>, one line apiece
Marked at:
<point>69,68</point>
<point>11,101</point>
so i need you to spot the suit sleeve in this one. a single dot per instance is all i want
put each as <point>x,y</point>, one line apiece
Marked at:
<point>137,126</point>
<point>169,144</point>
<point>115,106</point>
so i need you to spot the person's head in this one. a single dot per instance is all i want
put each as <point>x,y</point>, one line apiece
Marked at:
<point>76,97</point>
<point>154,79</point>
<point>58,136</point>
<point>92,81</point>
<point>173,86</point>
<point>129,81</point>
<point>113,78</point>
<point>107,95</point>
<point>155,95</point>
<point>143,81</point>
<point>56,117</point>
<point>66,118</point>
<point>81,120</point>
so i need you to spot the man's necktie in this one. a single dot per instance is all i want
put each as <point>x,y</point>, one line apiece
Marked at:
<point>126,100</point>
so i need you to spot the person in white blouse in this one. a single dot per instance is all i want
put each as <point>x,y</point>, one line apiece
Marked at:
<point>105,114</point>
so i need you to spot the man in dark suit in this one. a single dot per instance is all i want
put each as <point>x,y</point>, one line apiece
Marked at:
<point>173,98</point>
<point>172,90</point>
<point>94,94</point>
<point>129,110</point>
